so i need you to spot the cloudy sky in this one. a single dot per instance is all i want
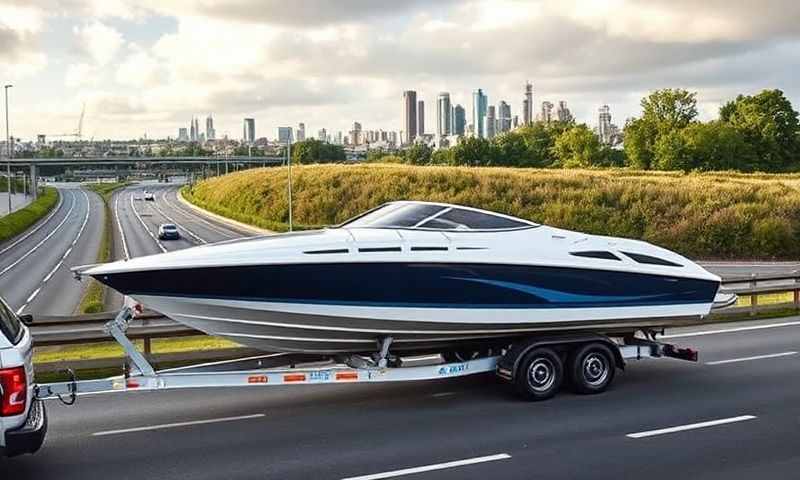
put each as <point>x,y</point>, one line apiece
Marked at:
<point>147,66</point>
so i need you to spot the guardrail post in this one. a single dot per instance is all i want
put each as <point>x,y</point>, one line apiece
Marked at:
<point>754,295</point>
<point>796,289</point>
<point>148,348</point>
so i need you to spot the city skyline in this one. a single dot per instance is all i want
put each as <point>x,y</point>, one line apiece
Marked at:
<point>147,67</point>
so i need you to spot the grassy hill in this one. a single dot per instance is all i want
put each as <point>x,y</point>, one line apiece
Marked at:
<point>719,215</point>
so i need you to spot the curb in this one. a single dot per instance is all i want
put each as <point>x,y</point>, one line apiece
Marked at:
<point>225,220</point>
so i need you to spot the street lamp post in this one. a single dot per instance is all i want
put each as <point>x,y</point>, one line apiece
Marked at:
<point>289,164</point>
<point>8,150</point>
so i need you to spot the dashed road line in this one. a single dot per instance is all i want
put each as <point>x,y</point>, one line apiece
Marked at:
<point>35,229</point>
<point>188,214</point>
<point>747,359</point>
<point>691,426</point>
<point>731,330</point>
<point>176,425</point>
<point>191,233</point>
<point>431,468</point>
<point>147,229</point>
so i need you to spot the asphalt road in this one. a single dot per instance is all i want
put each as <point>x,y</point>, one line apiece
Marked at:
<point>34,267</point>
<point>334,432</point>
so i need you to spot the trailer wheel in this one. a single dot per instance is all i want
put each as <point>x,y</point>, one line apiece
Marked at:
<point>539,375</point>
<point>591,368</point>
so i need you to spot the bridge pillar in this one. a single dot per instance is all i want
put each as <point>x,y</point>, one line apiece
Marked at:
<point>34,182</point>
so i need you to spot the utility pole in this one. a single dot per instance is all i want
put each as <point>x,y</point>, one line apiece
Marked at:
<point>289,163</point>
<point>8,149</point>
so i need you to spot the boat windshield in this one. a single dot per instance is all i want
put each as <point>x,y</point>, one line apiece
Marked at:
<point>426,216</point>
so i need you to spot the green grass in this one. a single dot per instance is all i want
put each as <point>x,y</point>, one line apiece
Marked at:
<point>93,351</point>
<point>94,297</point>
<point>716,215</point>
<point>21,220</point>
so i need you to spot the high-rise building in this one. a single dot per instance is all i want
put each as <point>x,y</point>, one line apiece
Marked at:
<point>516,121</point>
<point>285,135</point>
<point>249,131</point>
<point>479,104</point>
<point>356,135</point>
<point>391,137</point>
<point>196,122</point>
<point>420,118</point>
<point>605,129</point>
<point>322,135</point>
<point>527,104</point>
<point>301,132</point>
<point>339,139</point>
<point>459,120</point>
<point>503,117</point>
<point>192,131</point>
<point>211,134</point>
<point>410,115</point>
<point>562,112</point>
<point>490,122</point>
<point>444,115</point>
<point>546,115</point>
<point>183,135</point>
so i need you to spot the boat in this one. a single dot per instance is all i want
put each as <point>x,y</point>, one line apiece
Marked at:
<point>426,276</point>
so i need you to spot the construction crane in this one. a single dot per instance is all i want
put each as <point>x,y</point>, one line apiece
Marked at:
<point>77,134</point>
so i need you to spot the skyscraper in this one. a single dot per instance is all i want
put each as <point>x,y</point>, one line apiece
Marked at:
<point>183,136</point>
<point>322,135</point>
<point>459,120</point>
<point>546,115</point>
<point>604,125</point>
<point>249,131</point>
<point>420,118</point>
<point>301,132</point>
<point>356,135</point>
<point>285,135</point>
<point>527,104</point>
<point>503,117</point>
<point>490,127</point>
<point>444,119</point>
<point>410,115</point>
<point>479,104</point>
<point>562,112</point>
<point>211,134</point>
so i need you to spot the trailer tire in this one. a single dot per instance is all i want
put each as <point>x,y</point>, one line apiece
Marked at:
<point>591,368</point>
<point>539,374</point>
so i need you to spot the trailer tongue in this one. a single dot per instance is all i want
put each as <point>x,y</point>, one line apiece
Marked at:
<point>537,365</point>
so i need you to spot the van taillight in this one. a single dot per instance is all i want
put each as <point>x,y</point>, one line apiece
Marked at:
<point>15,391</point>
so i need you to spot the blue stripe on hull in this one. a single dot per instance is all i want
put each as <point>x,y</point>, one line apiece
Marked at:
<point>431,285</point>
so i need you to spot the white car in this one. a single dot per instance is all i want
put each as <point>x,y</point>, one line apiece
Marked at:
<point>23,419</point>
<point>148,196</point>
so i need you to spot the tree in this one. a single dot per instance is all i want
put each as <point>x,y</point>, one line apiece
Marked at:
<point>316,151</point>
<point>704,146</point>
<point>418,154</point>
<point>663,111</point>
<point>769,124</point>
<point>473,151</point>
<point>578,147</point>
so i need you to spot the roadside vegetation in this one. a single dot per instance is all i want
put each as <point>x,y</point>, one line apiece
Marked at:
<point>702,215</point>
<point>24,218</point>
<point>94,297</point>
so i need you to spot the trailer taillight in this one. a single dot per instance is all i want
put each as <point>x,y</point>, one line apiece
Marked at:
<point>14,386</point>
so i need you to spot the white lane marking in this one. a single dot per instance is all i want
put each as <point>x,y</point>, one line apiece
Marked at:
<point>119,226</point>
<point>63,257</point>
<point>691,426</point>
<point>155,239</point>
<point>42,224</point>
<point>443,394</point>
<point>49,235</point>
<point>186,213</point>
<point>191,233</point>
<point>176,425</point>
<point>731,330</point>
<point>430,468</point>
<point>747,359</point>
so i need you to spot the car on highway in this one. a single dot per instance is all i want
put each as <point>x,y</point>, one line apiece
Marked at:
<point>23,419</point>
<point>168,231</point>
<point>148,196</point>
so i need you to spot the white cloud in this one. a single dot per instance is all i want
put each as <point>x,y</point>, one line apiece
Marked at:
<point>139,69</point>
<point>98,41</point>
<point>82,75</point>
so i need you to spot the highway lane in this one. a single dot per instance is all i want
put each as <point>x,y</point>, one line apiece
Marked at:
<point>34,267</point>
<point>349,431</point>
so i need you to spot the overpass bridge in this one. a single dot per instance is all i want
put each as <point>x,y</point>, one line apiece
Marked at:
<point>213,165</point>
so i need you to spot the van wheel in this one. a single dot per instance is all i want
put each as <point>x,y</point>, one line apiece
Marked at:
<point>539,374</point>
<point>591,368</point>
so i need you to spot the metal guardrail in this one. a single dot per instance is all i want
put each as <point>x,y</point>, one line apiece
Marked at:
<point>82,329</point>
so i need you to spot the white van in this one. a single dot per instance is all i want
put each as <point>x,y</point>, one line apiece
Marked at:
<point>23,420</point>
